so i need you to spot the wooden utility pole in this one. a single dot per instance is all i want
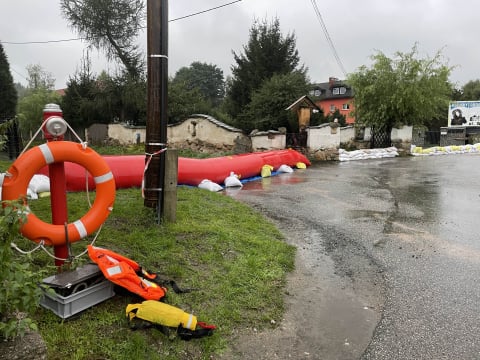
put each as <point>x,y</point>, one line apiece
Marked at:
<point>157,80</point>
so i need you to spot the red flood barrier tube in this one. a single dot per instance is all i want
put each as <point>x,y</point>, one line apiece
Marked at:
<point>128,170</point>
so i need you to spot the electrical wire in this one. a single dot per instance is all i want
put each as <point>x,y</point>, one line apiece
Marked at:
<point>204,11</point>
<point>143,27</point>
<point>327,36</point>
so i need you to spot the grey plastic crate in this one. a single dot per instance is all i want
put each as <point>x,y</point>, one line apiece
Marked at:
<point>66,306</point>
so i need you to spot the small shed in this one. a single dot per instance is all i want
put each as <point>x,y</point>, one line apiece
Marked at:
<point>304,107</point>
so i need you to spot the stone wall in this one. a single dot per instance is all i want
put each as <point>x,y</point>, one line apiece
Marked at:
<point>268,140</point>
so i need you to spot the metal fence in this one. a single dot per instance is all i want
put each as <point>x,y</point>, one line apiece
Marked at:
<point>296,140</point>
<point>380,137</point>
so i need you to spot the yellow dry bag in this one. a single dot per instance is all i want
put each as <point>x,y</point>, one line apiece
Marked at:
<point>159,313</point>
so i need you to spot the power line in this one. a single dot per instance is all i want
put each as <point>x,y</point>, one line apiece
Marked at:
<point>327,36</point>
<point>204,11</point>
<point>77,39</point>
<point>19,74</point>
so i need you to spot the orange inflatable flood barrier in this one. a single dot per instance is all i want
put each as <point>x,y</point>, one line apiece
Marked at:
<point>128,170</point>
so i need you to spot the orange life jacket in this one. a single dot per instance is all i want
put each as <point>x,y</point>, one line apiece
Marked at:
<point>126,273</point>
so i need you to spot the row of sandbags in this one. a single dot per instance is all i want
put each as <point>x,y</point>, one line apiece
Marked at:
<point>233,180</point>
<point>344,155</point>
<point>444,150</point>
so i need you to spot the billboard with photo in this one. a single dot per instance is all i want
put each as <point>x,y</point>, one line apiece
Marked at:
<point>464,113</point>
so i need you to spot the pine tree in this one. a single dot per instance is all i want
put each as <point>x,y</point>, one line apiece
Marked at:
<point>8,94</point>
<point>267,53</point>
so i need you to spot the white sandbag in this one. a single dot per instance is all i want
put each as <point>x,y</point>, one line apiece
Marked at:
<point>32,195</point>
<point>39,183</point>
<point>369,154</point>
<point>285,169</point>
<point>209,185</point>
<point>232,181</point>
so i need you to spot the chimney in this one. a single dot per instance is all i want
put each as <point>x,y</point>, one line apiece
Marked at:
<point>331,81</point>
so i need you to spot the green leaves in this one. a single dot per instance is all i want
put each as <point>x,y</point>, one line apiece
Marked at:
<point>403,90</point>
<point>267,53</point>
<point>19,292</point>
<point>8,94</point>
<point>207,78</point>
<point>267,108</point>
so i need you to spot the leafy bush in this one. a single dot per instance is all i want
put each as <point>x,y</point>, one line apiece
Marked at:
<point>19,291</point>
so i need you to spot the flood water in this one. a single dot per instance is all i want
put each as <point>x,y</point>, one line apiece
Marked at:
<point>402,237</point>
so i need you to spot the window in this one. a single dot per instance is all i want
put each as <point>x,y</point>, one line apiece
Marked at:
<point>332,107</point>
<point>339,90</point>
<point>318,92</point>
<point>345,106</point>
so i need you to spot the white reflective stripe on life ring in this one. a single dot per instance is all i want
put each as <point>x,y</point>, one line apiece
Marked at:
<point>103,178</point>
<point>47,154</point>
<point>82,230</point>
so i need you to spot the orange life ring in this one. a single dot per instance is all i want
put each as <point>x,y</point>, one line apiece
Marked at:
<point>22,170</point>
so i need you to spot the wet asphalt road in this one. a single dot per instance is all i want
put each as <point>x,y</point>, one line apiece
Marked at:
<point>401,236</point>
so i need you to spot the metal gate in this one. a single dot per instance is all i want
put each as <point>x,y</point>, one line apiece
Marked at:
<point>432,138</point>
<point>297,140</point>
<point>380,137</point>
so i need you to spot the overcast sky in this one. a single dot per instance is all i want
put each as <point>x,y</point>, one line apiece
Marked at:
<point>357,29</point>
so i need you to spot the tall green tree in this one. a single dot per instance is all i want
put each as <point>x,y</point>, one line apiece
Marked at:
<point>403,90</point>
<point>111,26</point>
<point>133,98</point>
<point>207,78</point>
<point>79,104</point>
<point>471,90</point>
<point>183,102</point>
<point>267,109</point>
<point>38,93</point>
<point>267,53</point>
<point>39,78</point>
<point>8,94</point>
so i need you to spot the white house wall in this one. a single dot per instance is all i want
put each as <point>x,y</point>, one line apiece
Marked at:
<point>347,134</point>
<point>322,137</point>
<point>125,134</point>
<point>202,130</point>
<point>268,142</point>
<point>403,134</point>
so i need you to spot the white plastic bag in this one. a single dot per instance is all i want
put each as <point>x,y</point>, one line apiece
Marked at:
<point>39,183</point>
<point>209,185</point>
<point>232,181</point>
<point>285,169</point>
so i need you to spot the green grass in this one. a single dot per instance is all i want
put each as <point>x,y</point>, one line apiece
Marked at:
<point>235,258</point>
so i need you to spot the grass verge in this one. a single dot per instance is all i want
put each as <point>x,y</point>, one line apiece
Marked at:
<point>236,259</point>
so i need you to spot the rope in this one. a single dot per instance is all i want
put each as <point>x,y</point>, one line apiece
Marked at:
<point>41,244</point>
<point>147,164</point>
<point>14,246</point>
<point>84,143</point>
<point>33,137</point>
